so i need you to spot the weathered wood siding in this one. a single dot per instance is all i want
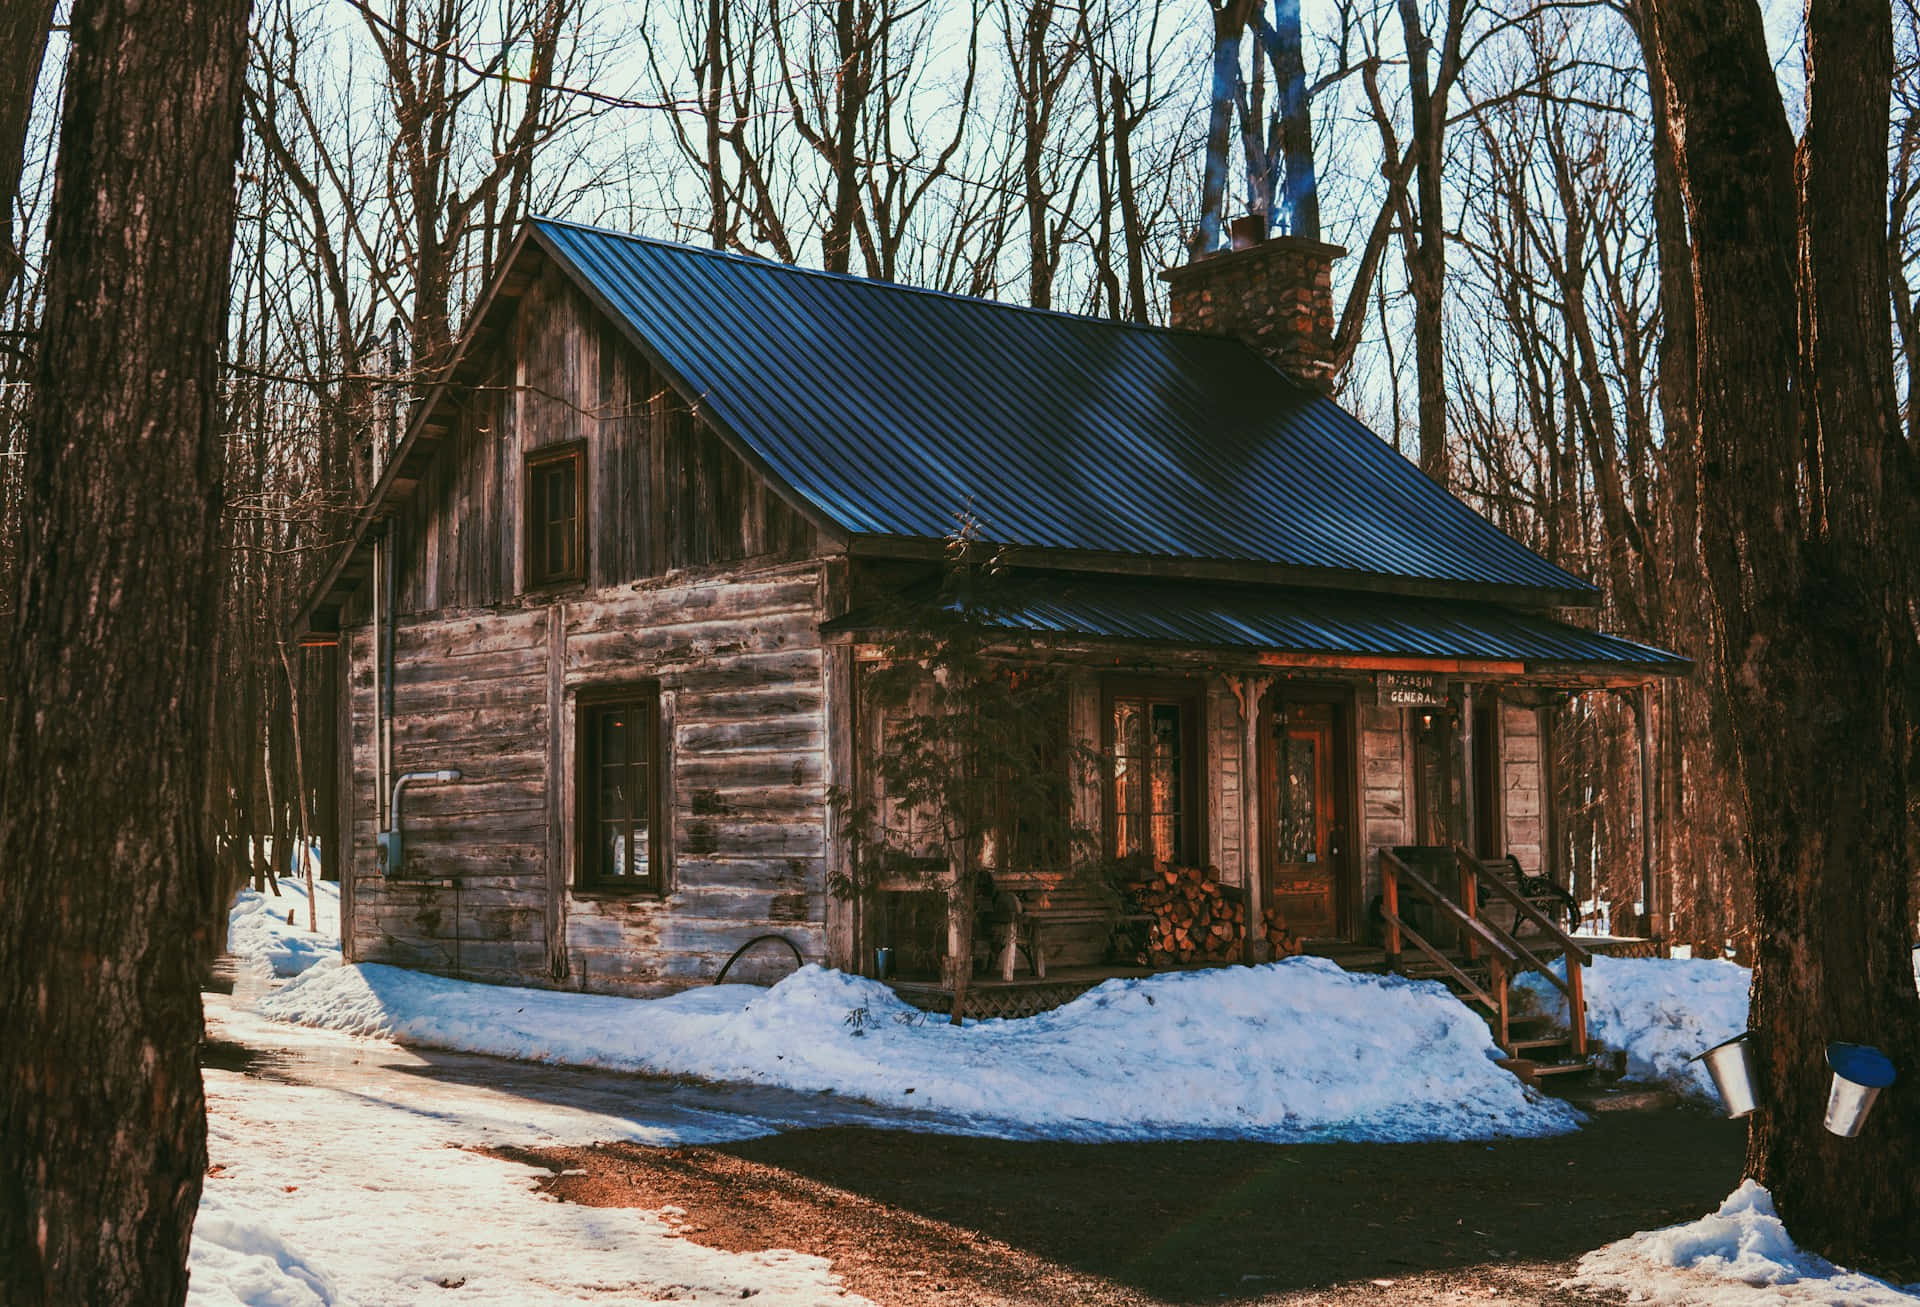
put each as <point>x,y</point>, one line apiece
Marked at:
<point>1226,737</point>
<point>739,664</point>
<point>1386,790</point>
<point>1520,801</point>
<point>663,490</point>
<point>469,692</point>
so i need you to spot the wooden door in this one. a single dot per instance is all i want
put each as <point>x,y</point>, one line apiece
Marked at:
<point>1304,817</point>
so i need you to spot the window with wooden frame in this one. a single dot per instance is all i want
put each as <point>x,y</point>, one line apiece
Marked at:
<point>620,790</point>
<point>1153,739</point>
<point>556,514</point>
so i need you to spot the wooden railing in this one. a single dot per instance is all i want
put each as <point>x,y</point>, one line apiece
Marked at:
<point>1504,955</point>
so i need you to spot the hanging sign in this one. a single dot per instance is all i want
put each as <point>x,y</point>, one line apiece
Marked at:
<point>1411,689</point>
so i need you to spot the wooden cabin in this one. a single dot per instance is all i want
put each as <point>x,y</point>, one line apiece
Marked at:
<point>614,569</point>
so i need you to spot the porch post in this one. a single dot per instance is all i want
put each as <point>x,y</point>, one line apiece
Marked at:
<point>1469,838</point>
<point>1656,919</point>
<point>1253,816</point>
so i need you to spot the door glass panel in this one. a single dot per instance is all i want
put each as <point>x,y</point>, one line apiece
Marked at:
<point>1298,832</point>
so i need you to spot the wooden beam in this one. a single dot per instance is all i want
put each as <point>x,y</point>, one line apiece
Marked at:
<point>1253,829</point>
<point>1377,663</point>
<point>1649,892</point>
<point>559,810</point>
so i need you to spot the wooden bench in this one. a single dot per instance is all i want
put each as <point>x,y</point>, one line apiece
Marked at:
<point>1023,905</point>
<point>1547,897</point>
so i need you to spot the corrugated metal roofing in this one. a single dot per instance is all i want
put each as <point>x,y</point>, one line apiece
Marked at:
<point>892,409</point>
<point>1309,622</point>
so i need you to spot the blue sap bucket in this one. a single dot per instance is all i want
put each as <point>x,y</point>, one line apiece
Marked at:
<point>882,963</point>
<point>1860,1072</point>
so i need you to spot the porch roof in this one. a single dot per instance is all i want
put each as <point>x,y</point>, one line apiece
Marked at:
<point>1303,622</point>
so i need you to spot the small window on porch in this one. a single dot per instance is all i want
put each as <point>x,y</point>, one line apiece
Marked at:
<point>556,518</point>
<point>1153,800</point>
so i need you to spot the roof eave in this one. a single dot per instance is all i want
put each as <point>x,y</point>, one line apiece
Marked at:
<point>1595,674</point>
<point>925,548</point>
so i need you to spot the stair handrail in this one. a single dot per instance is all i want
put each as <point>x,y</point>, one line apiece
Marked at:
<point>1578,958</point>
<point>1494,995</point>
<point>1472,874</point>
<point>1395,870</point>
<point>1499,885</point>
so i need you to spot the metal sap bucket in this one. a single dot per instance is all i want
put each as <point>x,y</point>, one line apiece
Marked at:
<point>1732,1072</point>
<point>882,963</point>
<point>1860,1072</point>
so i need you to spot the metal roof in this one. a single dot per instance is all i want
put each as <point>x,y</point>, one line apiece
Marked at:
<point>1306,622</point>
<point>891,410</point>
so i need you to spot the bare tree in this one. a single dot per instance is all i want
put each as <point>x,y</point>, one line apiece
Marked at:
<point>106,1150</point>
<point>1810,512</point>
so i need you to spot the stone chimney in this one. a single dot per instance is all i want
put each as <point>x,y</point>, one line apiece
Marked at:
<point>1275,294</point>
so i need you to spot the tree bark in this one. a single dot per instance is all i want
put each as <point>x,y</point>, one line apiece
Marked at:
<point>1427,259</point>
<point>104,864</point>
<point>1808,510</point>
<point>1302,192</point>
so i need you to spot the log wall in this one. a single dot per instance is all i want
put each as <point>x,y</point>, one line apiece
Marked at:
<point>743,714</point>
<point>698,575</point>
<point>663,490</point>
<point>1386,790</point>
<point>1520,798</point>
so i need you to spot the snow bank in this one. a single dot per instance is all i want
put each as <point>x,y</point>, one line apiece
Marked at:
<point>1659,1011</point>
<point>239,1261</point>
<point>1296,1050</point>
<point>1741,1254</point>
<point>258,930</point>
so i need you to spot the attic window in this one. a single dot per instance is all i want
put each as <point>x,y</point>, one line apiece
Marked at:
<point>556,517</point>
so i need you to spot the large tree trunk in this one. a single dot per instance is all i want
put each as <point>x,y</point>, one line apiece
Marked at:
<point>1427,256</point>
<point>1808,512</point>
<point>104,865</point>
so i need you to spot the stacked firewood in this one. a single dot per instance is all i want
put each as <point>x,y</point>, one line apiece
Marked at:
<point>1191,919</point>
<point>1281,942</point>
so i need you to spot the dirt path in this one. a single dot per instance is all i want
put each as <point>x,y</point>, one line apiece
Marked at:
<point>912,1219</point>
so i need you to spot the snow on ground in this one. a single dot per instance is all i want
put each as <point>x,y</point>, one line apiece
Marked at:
<point>258,929</point>
<point>1295,1051</point>
<point>323,1197</point>
<point>1659,1011</point>
<point>1740,1255</point>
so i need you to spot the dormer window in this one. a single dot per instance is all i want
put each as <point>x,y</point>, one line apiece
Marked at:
<point>556,518</point>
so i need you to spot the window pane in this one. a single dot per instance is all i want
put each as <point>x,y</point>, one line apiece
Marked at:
<point>613,849</point>
<point>553,506</point>
<point>613,738</point>
<point>616,790</point>
<point>1166,789</point>
<point>637,861</point>
<point>1149,780</point>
